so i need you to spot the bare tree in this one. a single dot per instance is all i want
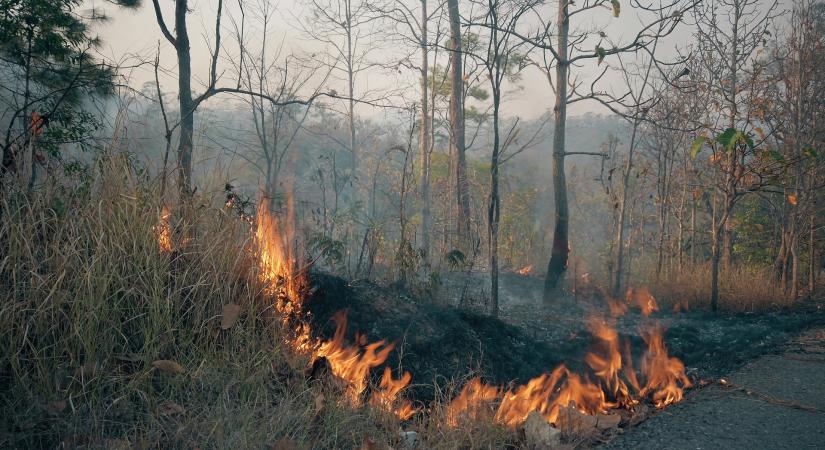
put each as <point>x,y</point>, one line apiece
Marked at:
<point>565,49</point>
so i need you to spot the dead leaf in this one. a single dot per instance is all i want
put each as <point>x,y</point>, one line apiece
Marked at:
<point>792,199</point>
<point>285,444</point>
<point>168,366</point>
<point>229,315</point>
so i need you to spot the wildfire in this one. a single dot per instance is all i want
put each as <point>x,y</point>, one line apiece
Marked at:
<point>475,396</point>
<point>285,281</point>
<point>614,383</point>
<point>163,231</point>
<point>610,383</point>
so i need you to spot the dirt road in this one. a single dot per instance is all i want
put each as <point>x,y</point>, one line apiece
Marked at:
<point>774,402</point>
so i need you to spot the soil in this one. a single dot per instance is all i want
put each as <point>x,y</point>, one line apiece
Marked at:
<point>452,339</point>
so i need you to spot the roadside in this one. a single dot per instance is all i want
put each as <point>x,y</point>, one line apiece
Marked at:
<point>776,401</point>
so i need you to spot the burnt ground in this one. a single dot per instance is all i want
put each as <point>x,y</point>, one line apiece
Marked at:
<point>439,342</point>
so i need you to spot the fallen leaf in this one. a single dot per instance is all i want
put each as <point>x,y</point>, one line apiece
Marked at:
<point>229,315</point>
<point>792,199</point>
<point>168,366</point>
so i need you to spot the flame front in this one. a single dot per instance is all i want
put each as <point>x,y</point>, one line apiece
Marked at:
<point>611,382</point>
<point>285,282</point>
<point>614,383</point>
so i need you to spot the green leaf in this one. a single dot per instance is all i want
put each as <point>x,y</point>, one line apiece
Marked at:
<point>617,8</point>
<point>696,147</point>
<point>730,137</point>
<point>727,139</point>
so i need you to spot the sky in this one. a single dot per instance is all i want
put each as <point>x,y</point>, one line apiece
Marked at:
<point>133,35</point>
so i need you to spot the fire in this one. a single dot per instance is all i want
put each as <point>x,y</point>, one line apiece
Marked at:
<point>352,363</point>
<point>664,374</point>
<point>526,270</point>
<point>285,282</point>
<point>278,261</point>
<point>470,401</point>
<point>642,298</point>
<point>606,362</point>
<point>611,383</point>
<point>387,397</point>
<point>163,231</point>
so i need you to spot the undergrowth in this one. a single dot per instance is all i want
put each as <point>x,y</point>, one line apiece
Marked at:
<point>741,289</point>
<point>109,342</point>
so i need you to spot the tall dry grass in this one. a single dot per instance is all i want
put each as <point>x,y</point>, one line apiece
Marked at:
<point>109,342</point>
<point>89,303</point>
<point>741,289</point>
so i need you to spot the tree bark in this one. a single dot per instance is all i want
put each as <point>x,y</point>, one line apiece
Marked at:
<point>457,139</point>
<point>561,247</point>
<point>186,105</point>
<point>617,277</point>
<point>424,141</point>
<point>494,211</point>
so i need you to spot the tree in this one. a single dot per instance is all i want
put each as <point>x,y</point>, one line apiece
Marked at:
<point>45,46</point>
<point>559,54</point>
<point>189,103</point>
<point>725,51</point>
<point>501,61</point>
<point>457,135</point>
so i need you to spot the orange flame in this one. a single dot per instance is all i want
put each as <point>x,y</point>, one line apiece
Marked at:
<point>352,363</point>
<point>664,374</point>
<point>387,397</point>
<point>526,270</point>
<point>616,383</point>
<point>473,397</point>
<point>642,298</point>
<point>163,231</point>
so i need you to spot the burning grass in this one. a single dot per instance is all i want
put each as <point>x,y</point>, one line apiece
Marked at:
<point>127,326</point>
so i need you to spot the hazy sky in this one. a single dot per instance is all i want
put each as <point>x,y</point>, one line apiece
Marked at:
<point>137,33</point>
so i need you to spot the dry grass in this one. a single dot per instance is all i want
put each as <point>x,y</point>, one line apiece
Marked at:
<point>742,289</point>
<point>89,303</point>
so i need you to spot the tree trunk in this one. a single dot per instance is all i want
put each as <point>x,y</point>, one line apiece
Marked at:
<point>714,269</point>
<point>457,142</point>
<point>494,212</point>
<point>812,259</point>
<point>617,277</point>
<point>186,105</point>
<point>561,247</point>
<point>424,142</point>
<point>794,291</point>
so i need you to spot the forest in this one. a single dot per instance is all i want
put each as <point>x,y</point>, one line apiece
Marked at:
<point>412,224</point>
